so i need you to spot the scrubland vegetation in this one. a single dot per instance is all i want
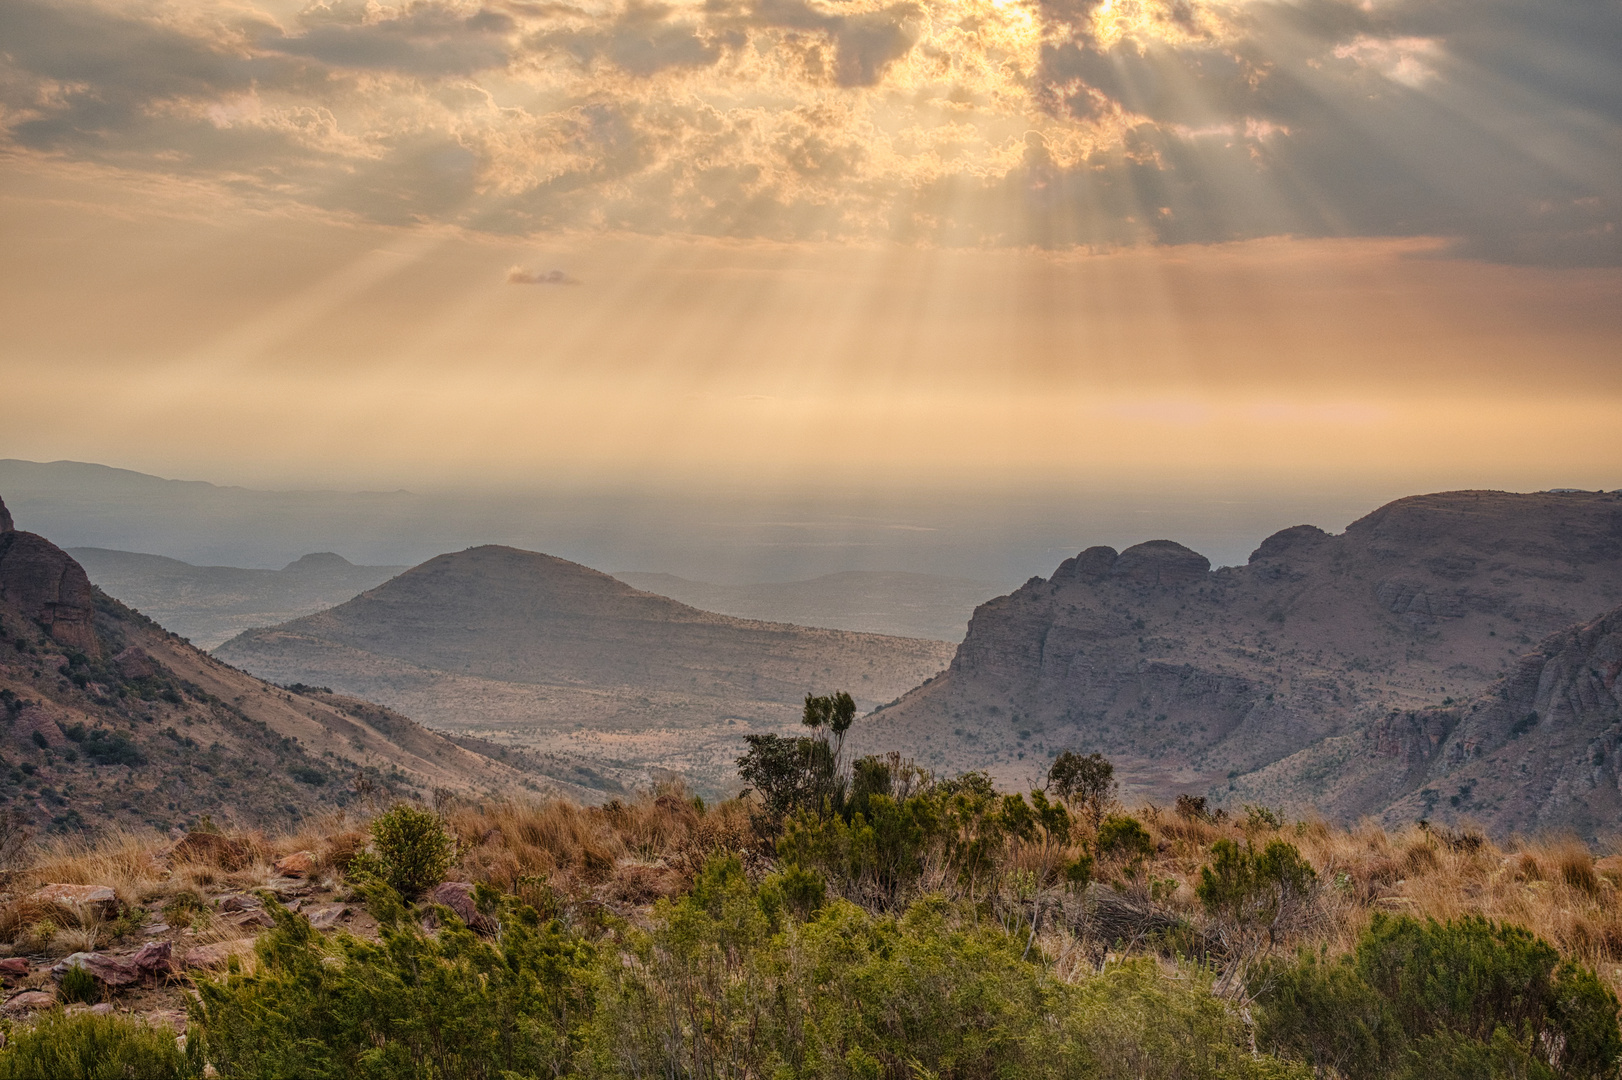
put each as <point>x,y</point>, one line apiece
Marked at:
<point>864,920</point>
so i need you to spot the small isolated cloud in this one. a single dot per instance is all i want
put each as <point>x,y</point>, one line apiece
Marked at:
<point>519,276</point>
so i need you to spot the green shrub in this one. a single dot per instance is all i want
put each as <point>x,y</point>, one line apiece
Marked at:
<point>79,985</point>
<point>1442,1001</point>
<point>450,1006</point>
<point>413,851</point>
<point>91,1047</point>
<point>1123,837</point>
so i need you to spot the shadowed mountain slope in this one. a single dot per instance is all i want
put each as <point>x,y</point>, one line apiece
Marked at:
<point>539,651</point>
<point>1193,678</point>
<point>108,718</point>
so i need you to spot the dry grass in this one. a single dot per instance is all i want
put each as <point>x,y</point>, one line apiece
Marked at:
<point>629,853</point>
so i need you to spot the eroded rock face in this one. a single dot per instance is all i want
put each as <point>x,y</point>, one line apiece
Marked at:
<point>135,663</point>
<point>5,519</point>
<point>46,584</point>
<point>1251,683</point>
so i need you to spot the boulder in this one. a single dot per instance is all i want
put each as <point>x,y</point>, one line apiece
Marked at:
<point>97,901</point>
<point>105,968</point>
<point>155,958</point>
<point>15,965</point>
<point>28,1001</point>
<point>212,848</point>
<point>135,663</point>
<point>458,896</point>
<point>250,920</point>
<point>219,954</point>
<point>240,902</point>
<point>297,865</point>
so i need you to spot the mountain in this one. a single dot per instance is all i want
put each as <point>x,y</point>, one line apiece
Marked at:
<point>106,718</point>
<point>208,604</point>
<point>868,601</point>
<point>1204,680</point>
<point>1540,751</point>
<point>537,651</point>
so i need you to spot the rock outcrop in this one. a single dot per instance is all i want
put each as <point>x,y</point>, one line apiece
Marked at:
<point>46,584</point>
<point>1265,682</point>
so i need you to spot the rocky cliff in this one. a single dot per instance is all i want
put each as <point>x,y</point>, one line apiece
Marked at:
<point>43,582</point>
<point>1539,751</point>
<point>1200,680</point>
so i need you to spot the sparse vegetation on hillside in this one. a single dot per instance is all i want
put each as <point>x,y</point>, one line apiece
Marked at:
<point>881,923</point>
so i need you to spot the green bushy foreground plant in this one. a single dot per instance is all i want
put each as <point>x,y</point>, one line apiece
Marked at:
<point>1442,1001</point>
<point>410,850</point>
<point>731,980</point>
<point>91,1047</point>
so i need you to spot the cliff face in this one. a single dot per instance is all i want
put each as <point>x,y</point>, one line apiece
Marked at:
<point>42,581</point>
<point>1202,680</point>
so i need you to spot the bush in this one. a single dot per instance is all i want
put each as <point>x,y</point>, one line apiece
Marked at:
<point>413,851</point>
<point>450,1006</point>
<point>79,985</point>
<point>1123,837</point>
<point>91,1047</point>
<point>1442,1001</point>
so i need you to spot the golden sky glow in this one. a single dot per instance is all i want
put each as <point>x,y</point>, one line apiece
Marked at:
<point>789,242</point>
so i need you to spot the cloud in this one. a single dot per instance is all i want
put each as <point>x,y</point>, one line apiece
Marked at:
<point>517,275</point>
<point>1495,123</point>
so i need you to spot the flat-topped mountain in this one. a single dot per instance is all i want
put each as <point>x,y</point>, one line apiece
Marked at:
<point>110,719</point>
<point>542,652</point>
<point>869,601</point>
<point>208,604</point>
<point>1194,678</point>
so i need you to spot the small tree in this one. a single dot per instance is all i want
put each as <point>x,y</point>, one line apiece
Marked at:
<point>1086,783</point>
<point>1255,896</point>
<point>413,852</point>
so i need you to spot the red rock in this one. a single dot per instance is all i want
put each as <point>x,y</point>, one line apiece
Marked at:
<point>135,663</point>
<point>458,896</point>
<point>257,918</point>
<point>28,1001</point>
<point>46,583</point>
<point>15,965</point>
<point>155,958</point>
<point>240,902</point>
<point>97,900</point>
<point>103,967</point>
<point>297,865</point>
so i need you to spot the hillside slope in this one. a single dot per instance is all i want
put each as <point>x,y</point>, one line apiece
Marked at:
<point>208,604</point>
<point>1539,751</point>
<point>1193,678</point>
<point>541,652</point>
<point>108,718</point>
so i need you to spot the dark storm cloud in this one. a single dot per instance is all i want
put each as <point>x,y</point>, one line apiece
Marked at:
<point>1496,124</point>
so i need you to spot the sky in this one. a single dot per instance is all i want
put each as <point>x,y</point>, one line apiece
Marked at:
<point>956,250</point>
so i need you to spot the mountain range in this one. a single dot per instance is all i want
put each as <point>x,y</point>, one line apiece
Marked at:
<point>1311,677</point>
<point>110,719</point>
<point>538,652</point>
<point>208,604</point>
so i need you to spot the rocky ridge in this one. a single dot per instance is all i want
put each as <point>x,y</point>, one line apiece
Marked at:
<point>1204,680</point>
